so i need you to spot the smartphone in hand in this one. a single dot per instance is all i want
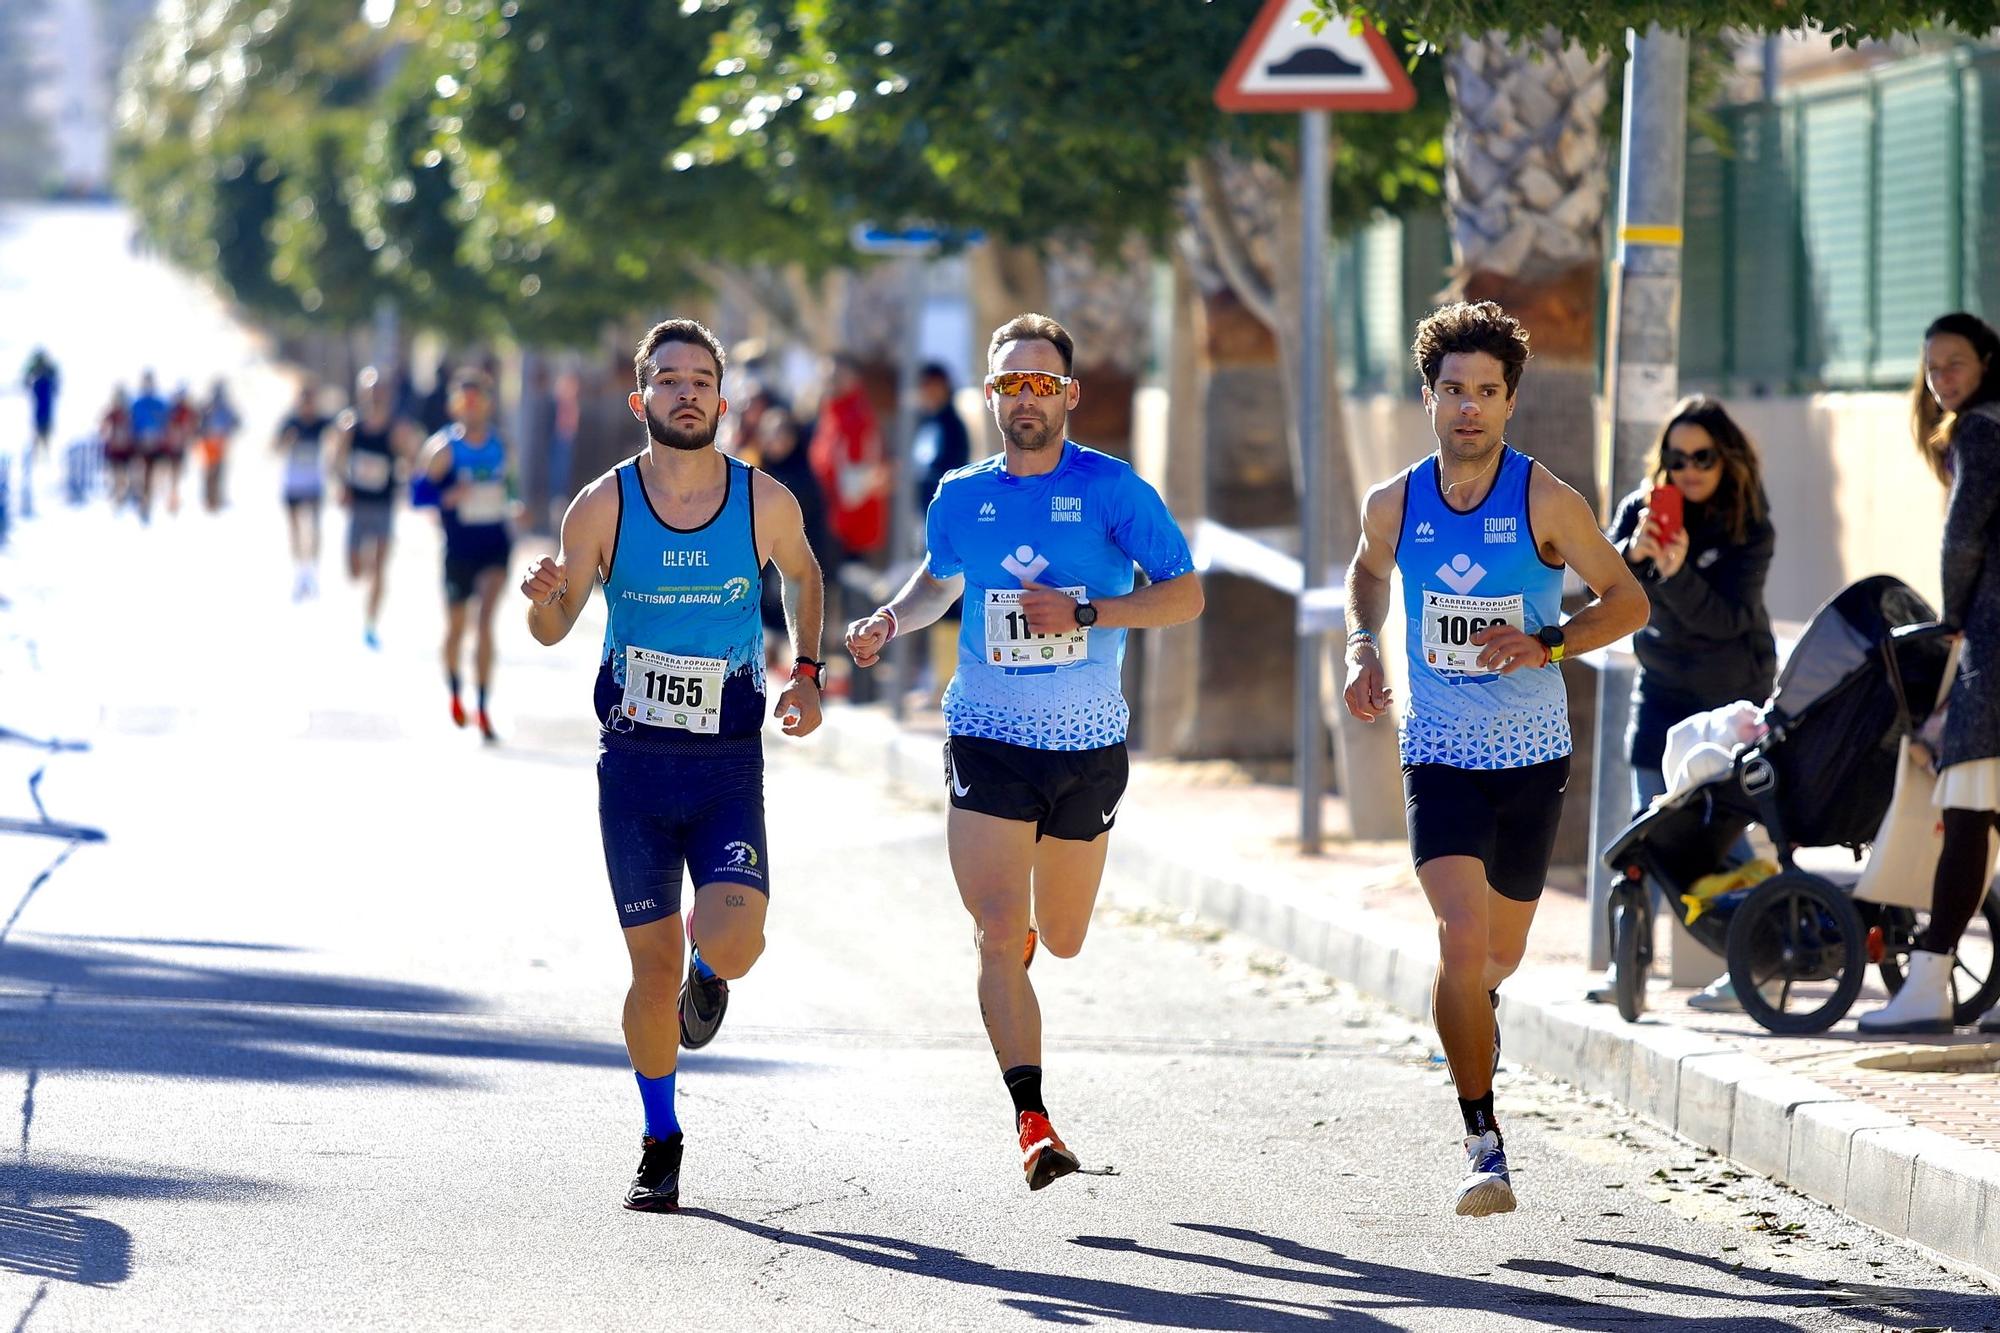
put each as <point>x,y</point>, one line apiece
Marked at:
<point>1668,515</point>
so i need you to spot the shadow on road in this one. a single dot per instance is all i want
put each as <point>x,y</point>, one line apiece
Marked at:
<point>1892,1307</point>
<point>64,1245</point>
<point>1062,1299</point>
<point>90,1007</point>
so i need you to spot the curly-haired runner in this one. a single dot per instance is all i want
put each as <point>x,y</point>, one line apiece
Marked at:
<point>1480,533</point>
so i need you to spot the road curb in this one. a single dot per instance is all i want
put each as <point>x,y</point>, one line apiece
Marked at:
<point>1913,1184</point>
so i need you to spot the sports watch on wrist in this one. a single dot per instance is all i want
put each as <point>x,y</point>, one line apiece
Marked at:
<point>1086,615</point>
<point>1551,638</point>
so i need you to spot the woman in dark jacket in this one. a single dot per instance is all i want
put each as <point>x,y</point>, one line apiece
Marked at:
<point>1956,415</point>
<point>1709,640</point>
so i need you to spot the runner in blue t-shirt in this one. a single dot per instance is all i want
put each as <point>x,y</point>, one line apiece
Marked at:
<point>1041,539</point>
<point>1479,534</point>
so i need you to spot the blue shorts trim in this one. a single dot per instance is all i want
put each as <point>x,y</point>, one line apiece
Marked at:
<point>666,818</point>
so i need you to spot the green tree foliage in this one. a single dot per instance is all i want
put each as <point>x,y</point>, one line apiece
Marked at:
<point>558,125</point>
<point>1022,119</point>
<point>1600,27</point>
<point>237,147</point>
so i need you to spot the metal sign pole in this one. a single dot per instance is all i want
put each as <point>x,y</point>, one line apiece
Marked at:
<point>1313,135</point>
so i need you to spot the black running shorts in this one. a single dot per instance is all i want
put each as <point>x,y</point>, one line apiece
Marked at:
<point>1506,817</point>
<point>1068,794</point>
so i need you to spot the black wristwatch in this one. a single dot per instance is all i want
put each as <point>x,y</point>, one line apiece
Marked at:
<point>1086,615</point>
<point>812,670</point>
<point>1551,638</point>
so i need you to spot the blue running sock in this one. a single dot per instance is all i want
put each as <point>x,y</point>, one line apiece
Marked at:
<point>701,969</point>
<point>658,1096</point>
<point>482,698</point>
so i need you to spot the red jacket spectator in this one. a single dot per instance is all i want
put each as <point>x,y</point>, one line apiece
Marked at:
<point>846,457</point>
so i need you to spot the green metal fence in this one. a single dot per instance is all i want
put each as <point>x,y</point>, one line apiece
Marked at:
<point>1835,223</point>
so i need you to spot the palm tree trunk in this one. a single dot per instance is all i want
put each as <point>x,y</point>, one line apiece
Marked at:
<point>1526,184</point>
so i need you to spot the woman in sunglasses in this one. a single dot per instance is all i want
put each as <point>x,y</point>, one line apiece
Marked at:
<point>1955,414</point>
<point>1699,536</point>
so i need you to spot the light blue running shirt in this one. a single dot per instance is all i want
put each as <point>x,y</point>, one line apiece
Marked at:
<point>1463,573</point>
<point>1081,527</point>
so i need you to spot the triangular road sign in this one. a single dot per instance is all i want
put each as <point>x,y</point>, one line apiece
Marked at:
<point>1285,66</point>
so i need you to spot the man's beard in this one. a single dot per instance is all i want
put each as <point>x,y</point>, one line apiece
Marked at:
<point>674,437</point>
<point>1031,435</point>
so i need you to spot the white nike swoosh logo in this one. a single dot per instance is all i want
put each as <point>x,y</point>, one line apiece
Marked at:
<point>957,789</point>
<point>1108,816</point>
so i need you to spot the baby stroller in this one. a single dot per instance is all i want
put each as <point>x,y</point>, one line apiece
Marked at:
<point>1864,676</point>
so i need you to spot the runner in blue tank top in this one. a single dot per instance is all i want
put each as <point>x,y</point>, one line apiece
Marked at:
<point>1041,539</point>
<point>679,536</point>
<point>1479,534</point>
<point>467,463</point>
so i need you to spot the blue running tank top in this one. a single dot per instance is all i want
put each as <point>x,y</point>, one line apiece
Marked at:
<point>684,644</point>
<point>1462,573</point>
<point>1082,528</point>
<point>476,526</point>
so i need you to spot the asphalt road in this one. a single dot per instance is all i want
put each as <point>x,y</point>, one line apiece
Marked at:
<point>323,1033</point>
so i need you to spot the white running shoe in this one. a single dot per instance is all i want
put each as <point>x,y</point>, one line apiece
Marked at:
<point>1486,1189</point>
<point>1717,997</point>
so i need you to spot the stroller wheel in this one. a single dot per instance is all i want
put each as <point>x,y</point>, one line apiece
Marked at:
<point>1628,919</point>
<point>1797,953</point>
<point>1975,973</point>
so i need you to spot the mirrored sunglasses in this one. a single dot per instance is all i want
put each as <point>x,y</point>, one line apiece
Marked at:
<point>1013,383</point>
<point>1701,460</point>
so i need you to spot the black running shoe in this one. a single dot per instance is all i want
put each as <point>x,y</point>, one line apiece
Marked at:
<point>703,1003</point>
<point>657,1187</point>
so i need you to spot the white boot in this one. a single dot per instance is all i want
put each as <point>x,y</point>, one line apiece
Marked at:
<point>1923,1005</point>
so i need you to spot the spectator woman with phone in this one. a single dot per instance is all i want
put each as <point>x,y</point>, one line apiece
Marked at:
<point>1699,536</point>
<point>1955,413</point>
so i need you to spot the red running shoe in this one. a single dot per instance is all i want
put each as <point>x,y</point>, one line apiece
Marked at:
<point>486,727</point>
<point>457,711</point>
<point>1043,1156</point>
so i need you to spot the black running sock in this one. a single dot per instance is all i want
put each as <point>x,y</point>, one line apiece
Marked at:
<point>455,683</point>
<point>482,698</point>
<point>1478,1113</point>
<point>1024,1085</point>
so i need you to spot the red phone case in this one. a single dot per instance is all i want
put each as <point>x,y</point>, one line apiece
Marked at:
<point>1665,503</point>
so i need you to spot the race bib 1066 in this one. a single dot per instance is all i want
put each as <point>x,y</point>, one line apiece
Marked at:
<point>1450,621</point>
<point>668,690</point>
<point>1009,642</point>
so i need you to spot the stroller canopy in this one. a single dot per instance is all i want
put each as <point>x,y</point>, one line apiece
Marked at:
<point>1843,636</point>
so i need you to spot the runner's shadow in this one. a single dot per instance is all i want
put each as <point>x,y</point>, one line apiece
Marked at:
<point>1892,1307</point>
<point>1410,1289</point>
<point>1060,1299</point>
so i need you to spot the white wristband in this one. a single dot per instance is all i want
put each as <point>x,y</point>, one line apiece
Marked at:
<point>893,626</point>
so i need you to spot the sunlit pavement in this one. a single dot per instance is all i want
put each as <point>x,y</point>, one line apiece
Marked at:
<point>323,1031</point>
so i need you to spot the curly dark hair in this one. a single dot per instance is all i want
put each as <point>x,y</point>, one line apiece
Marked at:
<point>674,331</point>
<point>1470,326</point>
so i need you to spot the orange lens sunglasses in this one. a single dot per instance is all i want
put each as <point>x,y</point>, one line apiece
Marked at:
<point>1040,383</point>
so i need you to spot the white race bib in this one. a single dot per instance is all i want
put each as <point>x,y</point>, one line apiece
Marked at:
<point>666,690</point>
<point>369,472</point>
<point>484,502</point>
<point>1450,621</point>
<point>1009,642</point>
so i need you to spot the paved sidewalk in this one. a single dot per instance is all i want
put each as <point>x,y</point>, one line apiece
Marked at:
<point>1900,1135</point>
